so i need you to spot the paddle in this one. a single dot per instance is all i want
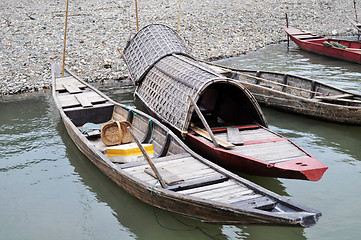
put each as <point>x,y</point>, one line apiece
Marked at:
<point>200,115</point>
<point>149,160</point>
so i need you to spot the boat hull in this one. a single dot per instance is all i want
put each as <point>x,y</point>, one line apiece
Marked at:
<point>308,168</point>
<point>307,107</point>
<point>315,45</point>
<point>299,95</point>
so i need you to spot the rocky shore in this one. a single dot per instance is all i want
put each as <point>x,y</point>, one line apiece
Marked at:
<point>32,31</point>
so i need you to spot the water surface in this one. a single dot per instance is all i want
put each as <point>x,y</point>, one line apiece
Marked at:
<point>49,190</point>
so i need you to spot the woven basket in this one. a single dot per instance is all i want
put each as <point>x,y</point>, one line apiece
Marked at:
<point>116,132</point>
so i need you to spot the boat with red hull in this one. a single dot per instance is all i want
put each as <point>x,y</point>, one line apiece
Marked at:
<point>263,153</point>
<point>216,116</point>
<point>325,46</point>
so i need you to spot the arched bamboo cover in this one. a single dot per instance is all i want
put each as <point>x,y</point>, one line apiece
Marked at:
<point>148,46</point>
<point>168,82</point>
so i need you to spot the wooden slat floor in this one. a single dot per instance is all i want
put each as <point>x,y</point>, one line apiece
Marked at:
<point>266,146</point>
<point>189,168</point>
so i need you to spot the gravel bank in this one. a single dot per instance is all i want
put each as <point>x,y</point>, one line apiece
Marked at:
<point>31,32</point>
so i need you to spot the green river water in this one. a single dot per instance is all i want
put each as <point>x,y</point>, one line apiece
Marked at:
<point>49,190</point>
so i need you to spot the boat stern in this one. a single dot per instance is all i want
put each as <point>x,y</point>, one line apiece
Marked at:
<point>309,168</point>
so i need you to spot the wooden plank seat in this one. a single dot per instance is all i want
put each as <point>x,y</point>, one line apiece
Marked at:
<point>199,182</point>
<point>168,177</point>
<point>295,31</point>
<point>306,36</point>
<point>145,163</point>
<point>263,203</point>
<point>233,136</point>
<point>71,100</point>
<point>84,101</point>
<point>71,88</point>
<point>60,81</point>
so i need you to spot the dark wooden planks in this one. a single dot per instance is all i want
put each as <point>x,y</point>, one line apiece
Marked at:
<point>200,182</point>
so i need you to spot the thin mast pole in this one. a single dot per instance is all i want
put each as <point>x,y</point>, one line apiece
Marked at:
<point>179,15</point>
<point>136,14</point>
<point>354,5</point>
<point>66,24</point>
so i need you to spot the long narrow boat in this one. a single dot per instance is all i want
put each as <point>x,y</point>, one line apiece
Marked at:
<point>229,127</point>
<point>194,186</point>
<point>297,94</point>
<point>341,49</point>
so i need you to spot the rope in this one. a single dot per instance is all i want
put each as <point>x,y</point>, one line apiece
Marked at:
<point>144,119</point>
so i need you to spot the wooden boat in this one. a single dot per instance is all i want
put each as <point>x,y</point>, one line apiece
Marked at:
<point>298,95</point>
<point>348,50</point>
<point>225,123</point>
<point>193,186</point>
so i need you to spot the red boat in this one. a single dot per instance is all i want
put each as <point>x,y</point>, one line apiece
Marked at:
<point>341,49</point>
<point>216,116</point>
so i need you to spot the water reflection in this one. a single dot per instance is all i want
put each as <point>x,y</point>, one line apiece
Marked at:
<point>311,133</point>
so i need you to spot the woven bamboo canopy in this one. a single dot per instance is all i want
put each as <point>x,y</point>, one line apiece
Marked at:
<point>166,74</point>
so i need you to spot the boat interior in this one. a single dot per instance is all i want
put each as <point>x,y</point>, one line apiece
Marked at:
<point>237,127</point>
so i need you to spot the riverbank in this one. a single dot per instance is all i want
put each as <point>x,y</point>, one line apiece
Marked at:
<point>31,35</point>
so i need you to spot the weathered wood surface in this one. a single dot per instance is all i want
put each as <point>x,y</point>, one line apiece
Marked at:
<point>299,95</point>
<point>71,88</point>
<point>69,80</point>
<point>84,101</point>
<point>70,100</point>
<point>233,136</point>
<point>205,134</point>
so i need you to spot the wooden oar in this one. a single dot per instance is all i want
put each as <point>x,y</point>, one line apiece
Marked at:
<point>205,134</point>
<point>353,49</point>
<point>149,160</point>
<point>200,115</point>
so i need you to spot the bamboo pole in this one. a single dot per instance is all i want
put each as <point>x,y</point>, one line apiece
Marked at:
<point>149,160</point>
<point>121,54</point>
<point>66,25</point>
<point>136,14</point>
<point>179,15</point>
<point>354,5</point>
<point>288,37</point>
<point>200,115</point>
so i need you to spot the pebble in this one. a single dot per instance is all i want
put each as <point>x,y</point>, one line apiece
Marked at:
<point>32,31</point>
